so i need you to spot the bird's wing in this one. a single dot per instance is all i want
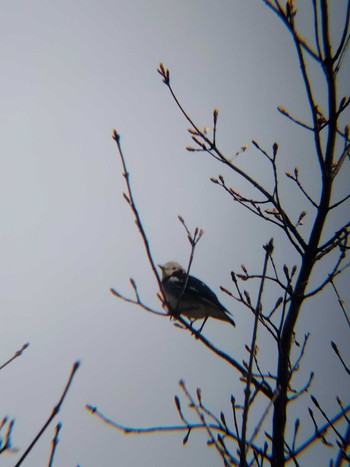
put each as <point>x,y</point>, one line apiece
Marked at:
<point>198,300</point>
<point>198,288</point>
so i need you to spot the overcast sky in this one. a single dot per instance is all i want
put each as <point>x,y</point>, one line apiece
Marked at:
<point>71,72</point>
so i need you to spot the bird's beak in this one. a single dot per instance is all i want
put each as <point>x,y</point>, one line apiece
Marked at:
<point>161,267</point>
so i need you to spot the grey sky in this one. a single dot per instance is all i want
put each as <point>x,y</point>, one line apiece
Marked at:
<point>71,72</point>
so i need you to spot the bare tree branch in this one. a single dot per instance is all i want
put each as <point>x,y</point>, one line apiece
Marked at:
<point>54,412</point>
<point>268,252</point>
<point>16,355</point>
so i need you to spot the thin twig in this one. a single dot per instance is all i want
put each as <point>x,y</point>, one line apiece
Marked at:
<point>130,200</point>
<point>316,28</point>
<point>259,425</point>
<point>207,427</point>
<point>193,239</point>
<point>54,412</point>
<point>264,388</point>
<point>342,451</point>
<point>333,242</point>
<point>55,441</point>
<point>208,145</point>
<point>301,188</point>
<point>138,302</point>
<point>316,403</point>
<point>6,442</point>
<point>15,355</point>
<point>340,301</point>
<point>321,430</point>
<point>303,390</point>
<point>301,354</point>
<point>285,112</point>
<point>268,252</point>
<point>336,350</point>
<point>342,45</point>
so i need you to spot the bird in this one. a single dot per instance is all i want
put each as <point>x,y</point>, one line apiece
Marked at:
<point>193,298</point>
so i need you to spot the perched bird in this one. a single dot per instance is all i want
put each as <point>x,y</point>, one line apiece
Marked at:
<point>193,299</point>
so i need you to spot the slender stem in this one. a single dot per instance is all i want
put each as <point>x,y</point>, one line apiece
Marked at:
<point>268,252</point>
<point>309,258</point>
<point>130,200</point>
<point>55,441</point>
<point>15,355</point>
<point>54,412</point>
<point>321,430</point>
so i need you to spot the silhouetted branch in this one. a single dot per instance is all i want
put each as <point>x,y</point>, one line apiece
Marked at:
<point>317,28</point>
<point>223,452</point>
<point>338,165</point>
<point>336,350</point>
<point>316,403</point>
<point>303,390</point>
<point>340,237</point>
<point>320,431</point>
<point>340,301</point>
<point>342,455</point>
<point>54,412</point>
<point>295,178</point>
<point>264,388</point>
<point>268,252</point>
<point>285,112</point>
<point>281,321</point>
<point>16,354</point>
<point>251,205</point>
<point>55,441</point>
<point>342,45</point>
<point>130,200</point>
<point>218,426</point>
<point>337,270</point>
<point>193,239</point>
<point>259,425</point>
<point>338,203</point>
<point>301,354</point>
<point>208,146</point>
<point>137,302</point>
<point>6,441</point>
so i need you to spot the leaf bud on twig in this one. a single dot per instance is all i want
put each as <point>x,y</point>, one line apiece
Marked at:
<point>199,396</point>
<point>164,72</point>
<point>294,270</point>
<point>115,136</point>
<point>347,130</point>
<point>247,296</point>
<point>127,199</point>
<point>215,116</point>
<point>196,140</point>
<point>177,403</point>
<point>301,217</point>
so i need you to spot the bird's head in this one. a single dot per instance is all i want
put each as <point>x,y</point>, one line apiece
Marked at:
<point>172,268</point>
